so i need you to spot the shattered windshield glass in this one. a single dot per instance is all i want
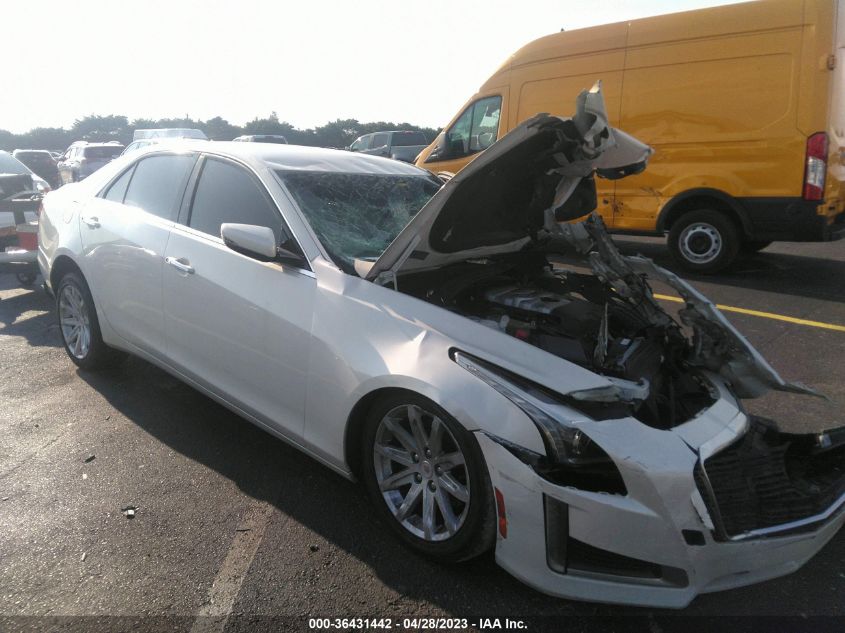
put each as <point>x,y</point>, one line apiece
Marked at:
<point>356,216</point>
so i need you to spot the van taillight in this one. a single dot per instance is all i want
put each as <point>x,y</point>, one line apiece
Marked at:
<point>815,167</point>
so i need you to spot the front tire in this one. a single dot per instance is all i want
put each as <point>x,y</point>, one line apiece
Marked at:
<point>427,478</point>
<point>79,327</point>
<point>704,241</point>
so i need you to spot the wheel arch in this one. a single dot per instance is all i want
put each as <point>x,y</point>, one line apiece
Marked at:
<point>355,425</point>
<point>62,265</point>
<point>703,198</point>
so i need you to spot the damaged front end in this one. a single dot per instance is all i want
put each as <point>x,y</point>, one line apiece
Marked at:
<point>769,482</point>
<point>501,245</point>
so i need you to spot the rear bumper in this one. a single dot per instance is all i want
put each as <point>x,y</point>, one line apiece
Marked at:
<point>793,219</point>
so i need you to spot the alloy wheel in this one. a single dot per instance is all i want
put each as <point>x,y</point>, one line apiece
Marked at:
<point>75,321</point>
<point>421,472</point>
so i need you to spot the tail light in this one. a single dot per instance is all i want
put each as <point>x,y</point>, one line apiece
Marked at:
<point>815,168</point>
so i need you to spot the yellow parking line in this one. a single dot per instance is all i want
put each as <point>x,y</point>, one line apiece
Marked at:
<point>765,315</point>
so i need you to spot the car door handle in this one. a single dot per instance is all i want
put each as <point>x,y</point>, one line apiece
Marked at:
<point>93,221</point>
<point>180,264</point>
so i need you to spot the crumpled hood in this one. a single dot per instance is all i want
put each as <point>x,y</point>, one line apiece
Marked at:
<point>500,200</point>
<point>527,187</point>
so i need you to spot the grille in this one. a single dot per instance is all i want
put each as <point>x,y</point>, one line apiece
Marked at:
<point>767,479</point>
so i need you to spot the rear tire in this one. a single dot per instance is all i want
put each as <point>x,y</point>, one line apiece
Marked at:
<point>426,476</point>
<point>704,241</point>
<point>79,327</point>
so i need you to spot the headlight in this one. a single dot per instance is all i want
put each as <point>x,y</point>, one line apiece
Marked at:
<point>572,458</point>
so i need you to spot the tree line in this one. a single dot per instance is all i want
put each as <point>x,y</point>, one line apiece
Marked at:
<point>96,128</point>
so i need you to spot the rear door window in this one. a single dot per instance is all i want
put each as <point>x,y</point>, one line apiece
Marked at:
<point>158,184</point>
<point>379,140</point>
<point>103,153</point>
<point>117,190</point>
<point>404,139</point>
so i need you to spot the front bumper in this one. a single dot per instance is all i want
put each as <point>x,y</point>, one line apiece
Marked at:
<point>656,546</point>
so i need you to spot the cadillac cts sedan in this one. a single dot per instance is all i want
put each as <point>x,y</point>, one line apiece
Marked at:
<point>492,369</point>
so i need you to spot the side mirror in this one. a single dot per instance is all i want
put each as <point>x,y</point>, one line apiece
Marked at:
<point>258,242</point>
<point>441,149</point>
<point>249,239</point>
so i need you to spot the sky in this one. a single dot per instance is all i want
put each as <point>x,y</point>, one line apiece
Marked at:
<point>310,61</point>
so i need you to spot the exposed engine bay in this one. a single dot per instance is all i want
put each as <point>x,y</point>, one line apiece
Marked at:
<point>482,248</point>
<point>577,317</point>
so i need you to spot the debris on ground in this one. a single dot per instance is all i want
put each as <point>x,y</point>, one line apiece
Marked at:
<point>90,459</point>
<point>84,556</point>
<point>314,548</point>
<point>129,511</point>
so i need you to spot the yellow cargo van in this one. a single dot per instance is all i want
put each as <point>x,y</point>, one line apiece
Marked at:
<point>742,103</point>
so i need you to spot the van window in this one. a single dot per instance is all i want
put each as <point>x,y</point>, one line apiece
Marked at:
<point>474,131</point>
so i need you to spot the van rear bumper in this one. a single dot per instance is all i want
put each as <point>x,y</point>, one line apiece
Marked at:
<point>792,220</point>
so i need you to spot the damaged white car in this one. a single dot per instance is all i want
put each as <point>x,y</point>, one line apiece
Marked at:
<point>497,375</point>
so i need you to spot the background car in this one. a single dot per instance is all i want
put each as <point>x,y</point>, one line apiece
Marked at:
<point>169,132</point>
<point>397,144</point>
<point>41,162</point>
<point>262,138</point>
<point>16,181</point>
<point>83,158</point>
<point>18,178</point>
<point>142,143</point>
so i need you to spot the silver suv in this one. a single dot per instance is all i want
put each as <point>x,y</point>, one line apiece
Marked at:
<point>82,159</point>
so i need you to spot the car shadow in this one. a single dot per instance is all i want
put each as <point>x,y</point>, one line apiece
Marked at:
<point>28,314</point>
<point>338,510</point>
<point>768,271</point>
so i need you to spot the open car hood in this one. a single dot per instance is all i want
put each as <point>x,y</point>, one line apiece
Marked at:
<point>527,188</point>
<point>500,201</point>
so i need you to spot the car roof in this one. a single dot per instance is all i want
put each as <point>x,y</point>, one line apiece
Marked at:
<point>296,157</point>
<point>97,144</point>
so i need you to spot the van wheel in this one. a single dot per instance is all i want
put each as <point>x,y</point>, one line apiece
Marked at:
<point>427,478</point>
<point>704,241</point>
<point>79,327</point>
<point>754,246</point>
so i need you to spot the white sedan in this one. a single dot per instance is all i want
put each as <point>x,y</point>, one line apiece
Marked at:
<point>497,375</point>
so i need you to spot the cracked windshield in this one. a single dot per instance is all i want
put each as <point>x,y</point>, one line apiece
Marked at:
<point>356,216</point>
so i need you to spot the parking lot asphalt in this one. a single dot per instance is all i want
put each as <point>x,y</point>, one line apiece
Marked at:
<point>234,526</point>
